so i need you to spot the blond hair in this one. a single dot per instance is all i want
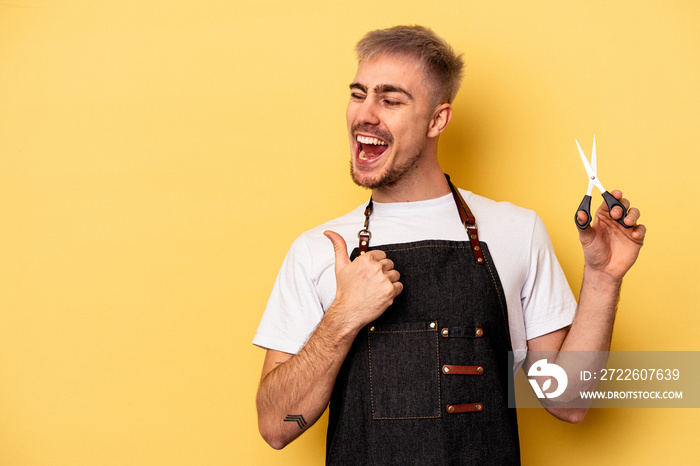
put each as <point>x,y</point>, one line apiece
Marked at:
<point>442,65</point>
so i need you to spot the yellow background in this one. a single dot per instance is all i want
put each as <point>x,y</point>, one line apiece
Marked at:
<point>158,158</point>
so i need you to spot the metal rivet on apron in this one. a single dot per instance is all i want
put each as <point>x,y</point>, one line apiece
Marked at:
<point>479,332</point>
<point>362,252</point>
<point>473,236</point>
<point>364,243</point>
<point>478,407</point>
<point>371,329</point>
<point>477,248</point>
<point>445,369</point>
<point>432,324</point>
<point>480,369</point>
<point>480,260</point>
<point>445,332</point>
<point>450,409</point>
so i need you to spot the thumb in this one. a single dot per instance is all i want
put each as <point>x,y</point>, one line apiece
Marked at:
<point>341,249</point>
<point>587,234</point>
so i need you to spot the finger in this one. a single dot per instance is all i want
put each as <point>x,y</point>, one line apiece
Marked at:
<point>639,233</point>
<point>341,249</point>
<point>387,264</point>
<point>617,194</point>
<point>393,276</point>
<point>632,216</point>
<point>376,254</point>
<point>616,212</point>
<point>398,288</point>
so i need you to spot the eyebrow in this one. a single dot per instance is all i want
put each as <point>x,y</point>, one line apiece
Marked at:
<point>359,87</point>
<point>382,89</point>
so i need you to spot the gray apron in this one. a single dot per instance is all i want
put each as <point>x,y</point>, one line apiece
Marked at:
<point>427,382</point>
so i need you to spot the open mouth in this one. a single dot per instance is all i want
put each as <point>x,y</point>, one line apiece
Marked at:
<point>370,148</point>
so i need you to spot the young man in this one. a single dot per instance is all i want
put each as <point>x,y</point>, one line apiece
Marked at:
<point>407,334</point>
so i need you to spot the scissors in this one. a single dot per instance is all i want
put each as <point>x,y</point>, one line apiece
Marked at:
<point>610,200</point>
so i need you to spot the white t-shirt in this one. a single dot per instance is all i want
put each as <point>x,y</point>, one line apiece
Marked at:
<point>537,294</point>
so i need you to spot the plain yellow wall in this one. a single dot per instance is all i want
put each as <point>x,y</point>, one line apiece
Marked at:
<point>158,158</point>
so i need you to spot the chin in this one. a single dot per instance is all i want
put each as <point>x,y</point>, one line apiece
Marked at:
<point>366,179</point>
<point>363,181</point>
<point>372,180</point>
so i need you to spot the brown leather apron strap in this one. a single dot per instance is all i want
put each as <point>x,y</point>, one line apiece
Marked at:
<point>467,218</point>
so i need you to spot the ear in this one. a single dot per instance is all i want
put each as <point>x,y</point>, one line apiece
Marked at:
<point>441,117</point>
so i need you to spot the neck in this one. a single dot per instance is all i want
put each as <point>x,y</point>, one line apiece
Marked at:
<point>419,185</point>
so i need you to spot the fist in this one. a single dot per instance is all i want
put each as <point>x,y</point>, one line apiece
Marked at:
<point>367,286</point>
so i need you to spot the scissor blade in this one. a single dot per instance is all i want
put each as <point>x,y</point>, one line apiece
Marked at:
<point>587,165</point>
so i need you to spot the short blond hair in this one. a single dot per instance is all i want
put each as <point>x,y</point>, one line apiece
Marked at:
<point>442,65</point>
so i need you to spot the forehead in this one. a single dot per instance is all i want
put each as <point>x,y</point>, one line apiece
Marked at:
<point>394,70</point>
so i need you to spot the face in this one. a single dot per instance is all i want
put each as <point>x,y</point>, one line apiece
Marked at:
<point>388,118</point>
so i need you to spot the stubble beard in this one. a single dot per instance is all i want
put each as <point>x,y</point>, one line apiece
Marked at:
<point>390,176</point>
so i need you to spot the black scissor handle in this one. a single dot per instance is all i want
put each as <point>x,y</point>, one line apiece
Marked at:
<point>612,202</point>
<point>584,207</point>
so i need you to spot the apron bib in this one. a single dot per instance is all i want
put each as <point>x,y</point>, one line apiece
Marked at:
<point>427,382</point>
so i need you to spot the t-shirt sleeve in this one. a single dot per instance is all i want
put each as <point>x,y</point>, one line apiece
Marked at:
<point>547,301</point>
<point>294,308</point>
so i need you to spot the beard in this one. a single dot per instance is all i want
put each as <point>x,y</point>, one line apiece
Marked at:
<point>390,176</point>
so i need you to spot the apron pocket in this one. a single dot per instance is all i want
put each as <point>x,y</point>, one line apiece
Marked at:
<point>404,370</point>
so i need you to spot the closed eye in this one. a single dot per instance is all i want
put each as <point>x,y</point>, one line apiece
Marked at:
<point>358,91</point>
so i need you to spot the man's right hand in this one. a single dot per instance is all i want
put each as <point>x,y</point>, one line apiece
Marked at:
<point>365,286</point>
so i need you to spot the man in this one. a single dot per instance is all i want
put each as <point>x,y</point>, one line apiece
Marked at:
<point>407,334</point>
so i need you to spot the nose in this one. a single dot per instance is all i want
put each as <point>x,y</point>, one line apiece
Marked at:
<point>367,112</point>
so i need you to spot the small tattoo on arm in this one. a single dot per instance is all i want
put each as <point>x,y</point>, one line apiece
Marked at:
<point>298,418</point>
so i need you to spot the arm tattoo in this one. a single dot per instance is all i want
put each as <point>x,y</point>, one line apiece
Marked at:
<point>298,418</point>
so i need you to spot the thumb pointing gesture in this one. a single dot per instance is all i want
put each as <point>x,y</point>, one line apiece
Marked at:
<point>341,250</point>
<point>365,287</point>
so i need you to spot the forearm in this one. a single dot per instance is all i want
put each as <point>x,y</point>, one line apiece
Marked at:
<point>592,327</point>
<point>301,387</point>
<point>591,331</point>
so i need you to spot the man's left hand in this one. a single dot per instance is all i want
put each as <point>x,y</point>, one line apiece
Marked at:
<point>608,247</point>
